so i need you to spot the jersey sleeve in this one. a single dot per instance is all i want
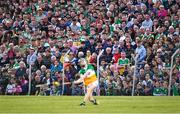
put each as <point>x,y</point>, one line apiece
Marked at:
<point>82,71</point>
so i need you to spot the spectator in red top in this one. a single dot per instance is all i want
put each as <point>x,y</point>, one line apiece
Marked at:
<point>116,55</point>
<point>93,59</point>
<point>11,53</point>
<point>162,12</point>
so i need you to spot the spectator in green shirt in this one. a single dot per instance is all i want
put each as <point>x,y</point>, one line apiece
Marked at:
<point>164,89</point>
<point>157,89</point>
<point>123,62</point>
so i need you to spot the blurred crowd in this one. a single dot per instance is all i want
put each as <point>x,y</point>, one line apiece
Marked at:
<point>39,33</point>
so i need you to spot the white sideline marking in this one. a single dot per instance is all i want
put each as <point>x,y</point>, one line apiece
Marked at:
<point>87,113</point>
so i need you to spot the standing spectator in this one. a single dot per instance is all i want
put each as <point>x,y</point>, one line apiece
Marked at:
<point>31,58</point>
<point>39,62</point>
<point>91,45</point>
<point>140,53</point>
<point>47,58</point>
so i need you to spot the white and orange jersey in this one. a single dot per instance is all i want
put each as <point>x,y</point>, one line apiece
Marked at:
<point>88,75</point>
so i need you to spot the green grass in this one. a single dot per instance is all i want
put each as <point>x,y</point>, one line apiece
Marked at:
<point>67,104</point>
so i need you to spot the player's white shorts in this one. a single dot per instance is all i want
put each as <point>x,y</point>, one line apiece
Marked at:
<point>93,84</point>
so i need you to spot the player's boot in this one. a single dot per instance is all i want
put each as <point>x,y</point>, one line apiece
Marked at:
<point>83,104</point>
<point>94,102</point>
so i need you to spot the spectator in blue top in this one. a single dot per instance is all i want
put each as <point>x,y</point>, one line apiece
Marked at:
<point>147,23</point>
<point>74,26</point>
<point>31,58</point>
<point>140,52</point>
<point>56,67</point>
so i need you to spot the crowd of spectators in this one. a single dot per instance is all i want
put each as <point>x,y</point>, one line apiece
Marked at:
<point>38,33</point>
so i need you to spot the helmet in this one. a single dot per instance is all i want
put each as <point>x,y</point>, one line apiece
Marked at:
<point>83,63</point>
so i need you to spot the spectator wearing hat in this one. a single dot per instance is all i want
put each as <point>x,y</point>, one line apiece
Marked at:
<point>39,15</point>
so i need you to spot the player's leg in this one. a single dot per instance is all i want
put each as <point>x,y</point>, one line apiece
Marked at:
<point>89,94</point>
<point>94,101</point>
<point>93,87</point>
<point>86,97</point>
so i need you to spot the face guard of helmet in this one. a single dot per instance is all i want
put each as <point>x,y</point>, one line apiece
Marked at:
<point>83,63</point>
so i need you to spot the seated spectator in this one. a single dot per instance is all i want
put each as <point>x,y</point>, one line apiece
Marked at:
<point>11,87</point>
<point>157,89</point>
<point>21,71</point>
<point>147,23</point>
<point>88,56</point>
<point>56,67</point>
<point>116,55</point>
<point>11,53</point>
<point>162,12</point>
<point>93,60</point>
<point>74,26</point>
<point>108,55</point>
<point>18,88</point>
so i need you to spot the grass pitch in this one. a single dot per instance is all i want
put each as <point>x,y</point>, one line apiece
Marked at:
<point>70,105</point>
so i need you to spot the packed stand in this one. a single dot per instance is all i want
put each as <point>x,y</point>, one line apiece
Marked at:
<point>39,33</point>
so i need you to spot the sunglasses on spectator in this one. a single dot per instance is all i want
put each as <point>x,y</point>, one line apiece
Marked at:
<point>82,66</point>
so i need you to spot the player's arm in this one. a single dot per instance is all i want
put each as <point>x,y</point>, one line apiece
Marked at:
<point>80,80</point>
<point>82,76</point>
